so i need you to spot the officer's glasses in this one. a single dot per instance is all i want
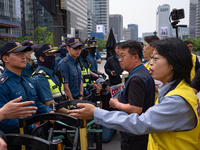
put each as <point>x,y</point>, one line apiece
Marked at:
<point>77,48</point>
<point>19,54</point>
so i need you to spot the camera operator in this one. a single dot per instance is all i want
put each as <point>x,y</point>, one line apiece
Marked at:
<point>103,94</point>
<point>113,68</point>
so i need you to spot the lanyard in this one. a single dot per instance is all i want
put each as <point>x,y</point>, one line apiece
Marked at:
<point>138,67</point>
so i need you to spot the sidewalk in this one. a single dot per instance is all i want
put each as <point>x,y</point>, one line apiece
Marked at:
<point>114,144</point>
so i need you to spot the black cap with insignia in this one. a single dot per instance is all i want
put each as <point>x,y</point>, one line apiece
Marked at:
<point>12,47</point>
<point>45,48</point>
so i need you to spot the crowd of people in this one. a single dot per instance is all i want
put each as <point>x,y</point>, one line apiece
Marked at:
<point>155,110</point>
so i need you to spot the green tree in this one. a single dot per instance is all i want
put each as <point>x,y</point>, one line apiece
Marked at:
<point>41,36</point>
<point>20,39</point>
<point>101,44</point>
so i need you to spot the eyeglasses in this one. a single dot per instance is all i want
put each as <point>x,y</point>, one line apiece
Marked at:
<point>154,58</point>
<point>77,48</point>
<point>19,54</point>
<point>122,56</point>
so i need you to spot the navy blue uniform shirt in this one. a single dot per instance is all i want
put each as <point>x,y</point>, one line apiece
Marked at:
<point>42,85</point>
<point>93,62</point>
<point>28,70</point>
<point>11,88</point>
<point>71,71</point>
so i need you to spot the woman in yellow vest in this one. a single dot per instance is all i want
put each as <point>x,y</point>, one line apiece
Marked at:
<point>173,121</point>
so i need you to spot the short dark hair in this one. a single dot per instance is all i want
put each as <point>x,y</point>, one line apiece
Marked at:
<point>117,44</point>
<point>134,47</point>
<point>151,38</point>
<point>177,54</point>
<point>188,42</point>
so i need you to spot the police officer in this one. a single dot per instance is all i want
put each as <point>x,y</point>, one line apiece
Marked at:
<point>63,52</point>
<point>14,84</point>
<point>46,83</point>
<point>98,57</point>
<point>91,57</point>
<point>30,64</point>
<point>85,68</point>
<point>71,70</point>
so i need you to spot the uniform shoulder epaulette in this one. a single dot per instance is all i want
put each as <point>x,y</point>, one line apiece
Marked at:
<point>64,60</point>
<point>57,58</point>
<point>3,79</point>
<point>39,72</point>
<point>26,75</point>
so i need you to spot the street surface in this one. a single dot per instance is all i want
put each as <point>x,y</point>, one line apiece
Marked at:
<point>114,144</point>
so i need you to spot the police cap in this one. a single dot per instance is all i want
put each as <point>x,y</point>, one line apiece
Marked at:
<point>29,43</point>
<point>61,44</point>
<point>92,43</point>
<point>85,47</point>
<point>44,48</point>
<point>13,46</point>
<point>74,42</point>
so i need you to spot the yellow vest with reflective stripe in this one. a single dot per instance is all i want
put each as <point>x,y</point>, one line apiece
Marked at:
<point>85,72</point>
<point>53,87</point>
<point>192,73</point>
<point>147,65</point>
<point>180,140</point>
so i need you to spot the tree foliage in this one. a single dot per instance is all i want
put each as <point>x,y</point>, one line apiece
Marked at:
<point>101,44</point>
<point>196,43</point>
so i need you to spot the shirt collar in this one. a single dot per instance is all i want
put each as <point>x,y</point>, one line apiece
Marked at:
<point>12,75</point>
<point>162,89</point>
<point>28,66</point>
<point>70,58</point>
<point>47,70</point>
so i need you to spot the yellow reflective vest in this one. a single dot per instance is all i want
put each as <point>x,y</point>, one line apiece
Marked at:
<point>53,87</point>
<point>192,73</point>
<point>178,140</point>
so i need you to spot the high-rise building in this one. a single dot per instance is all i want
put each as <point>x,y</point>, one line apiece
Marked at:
<point>127,34</point>
<point>146,34</point>
<point>34,15</point>
<point>92,22</point>
<point>100,8</point>
<point>9,19</point>
<point>163,27</point>
<point>79,19</point>
<point>192,19</point>
<point>116,23</point>
<point>134,32</point>
<point>197,29</point>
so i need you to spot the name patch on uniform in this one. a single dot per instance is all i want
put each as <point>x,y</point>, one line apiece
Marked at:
<point>30,85</point>
<point>3,79</point>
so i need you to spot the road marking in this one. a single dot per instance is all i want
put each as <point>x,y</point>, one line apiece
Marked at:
<point>100,68</point>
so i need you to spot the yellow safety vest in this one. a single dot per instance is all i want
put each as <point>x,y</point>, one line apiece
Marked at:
<point>86,76</point>
<point>53,87</point>
<point>180,140</point>
<point>192,73</point>
<point>147,65</point>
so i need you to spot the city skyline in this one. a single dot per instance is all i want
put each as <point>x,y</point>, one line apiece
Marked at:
<point>143,15</point>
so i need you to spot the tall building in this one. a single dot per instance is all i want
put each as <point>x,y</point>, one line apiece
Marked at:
<point>146,34</point>
<point>116,23</point>
<point>134,32</point>
<point>197,31</point>
<point>34,15</point>
<point>163,27</point>
<point>127,34</point>
<point>92,22</point>
<point>9,19</point>
<point>192,19</point>
<point>79,19</point>
<point>100,8</point>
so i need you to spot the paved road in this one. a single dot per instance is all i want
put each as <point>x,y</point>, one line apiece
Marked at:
<point>114,144</point>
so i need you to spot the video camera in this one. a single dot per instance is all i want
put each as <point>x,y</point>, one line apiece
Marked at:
<point>177,14</point>
<point>105,84</point>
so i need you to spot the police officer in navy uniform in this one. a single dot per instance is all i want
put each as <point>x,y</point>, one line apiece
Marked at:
<point>71,69</point>
<point>91,57</point>
<point>47,85</point>
<point>63,52</point>
<point>14,84</point>
<point>30,64</point>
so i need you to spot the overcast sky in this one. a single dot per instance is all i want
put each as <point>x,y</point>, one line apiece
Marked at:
<point>143,12</point>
